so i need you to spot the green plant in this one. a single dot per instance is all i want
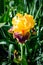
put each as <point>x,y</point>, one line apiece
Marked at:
<point>34,51</point>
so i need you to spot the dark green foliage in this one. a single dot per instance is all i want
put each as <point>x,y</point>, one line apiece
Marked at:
<point>1,7</point>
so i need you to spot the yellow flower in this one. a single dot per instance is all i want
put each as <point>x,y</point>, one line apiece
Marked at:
<point>22,24</point>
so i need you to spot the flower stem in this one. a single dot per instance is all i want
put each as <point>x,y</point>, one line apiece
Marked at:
<point>23,57</point>
<point>25,51</point>
<point>21,46</point>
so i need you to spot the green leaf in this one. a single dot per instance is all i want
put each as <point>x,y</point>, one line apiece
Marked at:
<point>37,58</point>
<point>2,42</point>
<point>1,7</point>
<point>24,62</point>
<point>2,24</point>
<point>11,48</point>
<point>3,63</point>
<point>16,60</point>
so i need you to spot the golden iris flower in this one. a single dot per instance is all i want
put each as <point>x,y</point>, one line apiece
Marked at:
<point>22,24</point>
